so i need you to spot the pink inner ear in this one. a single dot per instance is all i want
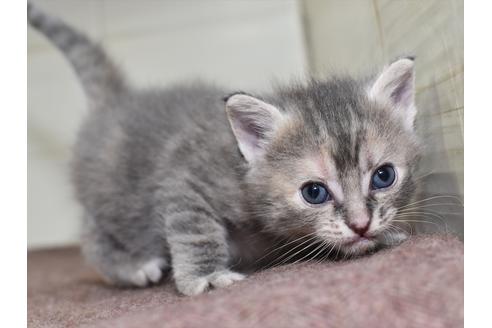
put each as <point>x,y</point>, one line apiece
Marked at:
<point>248,137</point>
<point>249,133</point>
<point>253,128</point>
<point>403,91</point>
<point>395,86</point>
<point>253,122</point>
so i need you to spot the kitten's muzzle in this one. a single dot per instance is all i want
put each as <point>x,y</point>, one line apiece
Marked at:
<point>360,229</point>
<point>360,224</point>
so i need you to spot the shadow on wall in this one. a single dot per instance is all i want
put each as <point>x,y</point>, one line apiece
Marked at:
<point>441,196</point>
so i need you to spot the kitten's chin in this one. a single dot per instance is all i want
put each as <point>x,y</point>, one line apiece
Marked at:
<point>359,246</point>
<point>362,245</point>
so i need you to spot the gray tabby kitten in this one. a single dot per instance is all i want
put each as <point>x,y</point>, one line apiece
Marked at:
<point>169,180</point>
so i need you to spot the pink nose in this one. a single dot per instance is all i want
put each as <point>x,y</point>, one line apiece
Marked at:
<point>360,226</point>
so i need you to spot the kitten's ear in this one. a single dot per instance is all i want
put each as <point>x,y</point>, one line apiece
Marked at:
<point>253,123</point>
<point>395,86</point>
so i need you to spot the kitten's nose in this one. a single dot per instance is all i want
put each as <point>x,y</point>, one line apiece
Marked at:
<point>359,229</point>
<point>360,225</point>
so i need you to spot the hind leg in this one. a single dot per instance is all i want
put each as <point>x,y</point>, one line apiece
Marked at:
<point>123,264</point>
<point>135,274</point>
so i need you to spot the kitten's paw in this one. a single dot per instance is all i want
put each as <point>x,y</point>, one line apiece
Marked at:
<point>191,286</point>
<point>225,278</point>
<point>153,269</point>
<point>144,274</point>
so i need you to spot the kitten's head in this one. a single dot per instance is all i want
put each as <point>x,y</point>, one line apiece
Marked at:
<point>332,159</point>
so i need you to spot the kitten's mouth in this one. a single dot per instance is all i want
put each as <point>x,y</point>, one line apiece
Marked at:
<point>358,240</point>
<point>360,244</point>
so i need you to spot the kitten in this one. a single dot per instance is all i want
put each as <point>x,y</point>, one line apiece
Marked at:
<point>169,180</point>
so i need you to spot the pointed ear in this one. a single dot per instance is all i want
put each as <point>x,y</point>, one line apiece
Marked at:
<point>395,86</point>
<point>253,123</point>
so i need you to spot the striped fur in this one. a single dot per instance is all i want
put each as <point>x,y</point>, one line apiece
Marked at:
<point>165,186</point>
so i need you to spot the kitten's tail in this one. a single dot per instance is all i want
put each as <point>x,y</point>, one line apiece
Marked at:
<point>100,78</point>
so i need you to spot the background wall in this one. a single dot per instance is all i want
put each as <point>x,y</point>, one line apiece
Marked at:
<point>352,36</point>
<point>238,43</point>
<point>245,44</point>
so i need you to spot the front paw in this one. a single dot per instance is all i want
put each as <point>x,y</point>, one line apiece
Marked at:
<point>193,285</point>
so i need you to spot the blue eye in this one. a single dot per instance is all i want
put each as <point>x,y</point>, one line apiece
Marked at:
<point>315,193</point>
<point>383,177</point>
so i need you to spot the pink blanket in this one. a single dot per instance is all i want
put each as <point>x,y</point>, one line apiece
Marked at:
<point>418,284</point>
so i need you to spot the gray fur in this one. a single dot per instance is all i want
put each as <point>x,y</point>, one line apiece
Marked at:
<point>165,186</point>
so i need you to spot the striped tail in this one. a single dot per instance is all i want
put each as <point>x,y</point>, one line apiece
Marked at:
<point>100,78</point>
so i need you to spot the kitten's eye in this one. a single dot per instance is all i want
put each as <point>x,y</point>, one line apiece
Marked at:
<point>383,177</point>
<point>315,193</point>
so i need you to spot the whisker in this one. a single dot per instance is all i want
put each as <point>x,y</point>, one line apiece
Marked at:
<point>419,221</point>
<point>385,235</point>
<point>434,212</point>
<point>434,205</point>
<point>307,255</point>
<point>400,230</point>
<point>424,214</point>
<point>324,249</point>
<point>430,214</point>
<point>422,208</point>
<point>282,256</point>
<point>425,175</point>
<point>329,252</point>
<point>346,254</point>
<point>432,198</point>
<point>299,251</point>
<point>285,245</point>
<point>393,230</point>
<point>338,249</point>
<point>407,223</point>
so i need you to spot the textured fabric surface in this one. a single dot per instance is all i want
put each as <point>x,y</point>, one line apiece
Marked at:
<point>418,284</point>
